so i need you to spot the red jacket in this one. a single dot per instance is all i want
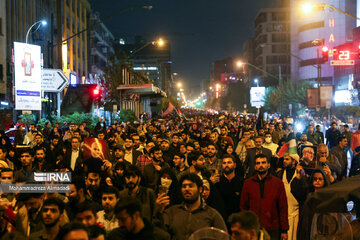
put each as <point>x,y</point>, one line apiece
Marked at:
<point>355,140</point>
<point>272,209</point>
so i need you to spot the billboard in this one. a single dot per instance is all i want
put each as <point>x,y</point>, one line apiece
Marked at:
<point>27,65</point>
<point>257,95</point>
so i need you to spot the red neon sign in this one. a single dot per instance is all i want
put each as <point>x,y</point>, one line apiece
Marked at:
<point>344,55</point>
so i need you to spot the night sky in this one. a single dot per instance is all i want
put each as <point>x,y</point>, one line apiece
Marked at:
<point>200,31</point>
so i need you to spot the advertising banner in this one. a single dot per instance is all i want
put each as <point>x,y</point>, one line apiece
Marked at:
<point>257,95</point>
<point>27,63</point>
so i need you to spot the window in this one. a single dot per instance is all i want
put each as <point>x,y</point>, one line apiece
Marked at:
<point>73,5</point>
<point>68,2</point>
<point>312,25</point>
<point>280,48</point>
<point>280,37</point>
<point>276,27</point>
<point>279,16</point>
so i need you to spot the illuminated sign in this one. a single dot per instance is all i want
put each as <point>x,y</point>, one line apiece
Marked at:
<point>344,55</point>
<point>257,95</point>
<point>27,76</point>
<point>342,62</point>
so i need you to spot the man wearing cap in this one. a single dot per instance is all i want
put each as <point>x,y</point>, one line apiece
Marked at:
<point>287,174</point>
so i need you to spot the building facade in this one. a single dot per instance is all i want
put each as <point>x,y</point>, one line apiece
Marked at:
<point>3,71</point>
<point>309,32</point>
<point>272,44</point>
<point>101,48</point>
<point>73,16</point>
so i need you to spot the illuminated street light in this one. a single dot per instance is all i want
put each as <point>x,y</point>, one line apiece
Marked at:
<point>239,64</point>
<point>179,85</point>
<point>42,23</point>
<point>217,86</point>
<point>256,81</point>
<point>307,8</point>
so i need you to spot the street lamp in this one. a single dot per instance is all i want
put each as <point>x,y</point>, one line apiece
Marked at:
<point>309,7</point>
<point>179,85</point>
<point>256,81</point>
<point>160,42</point>
<point>41,23</point>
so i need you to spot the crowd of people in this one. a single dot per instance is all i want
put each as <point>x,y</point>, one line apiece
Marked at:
<point>168,178</point>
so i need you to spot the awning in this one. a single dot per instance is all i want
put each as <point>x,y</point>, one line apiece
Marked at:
<point>142,89</point>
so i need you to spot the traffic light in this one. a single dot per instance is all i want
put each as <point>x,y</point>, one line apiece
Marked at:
<point>325,53</point>
<point>96,94</point>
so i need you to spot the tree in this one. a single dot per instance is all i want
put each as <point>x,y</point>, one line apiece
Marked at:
<point>113,77</point>
<point>285,94</point>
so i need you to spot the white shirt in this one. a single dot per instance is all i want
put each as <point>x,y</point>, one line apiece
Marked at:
<point>108,224</point>
<point>129,157</point>
<point>74,156</point>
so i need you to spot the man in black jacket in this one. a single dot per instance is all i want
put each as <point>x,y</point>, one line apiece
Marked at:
<point>332,135</point>
<point>249,164</point>
<point>133,225</point>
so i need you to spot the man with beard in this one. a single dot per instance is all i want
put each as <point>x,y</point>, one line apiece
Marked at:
<point>131,155</point>
<point>133,225</point>
<point>213,163</point>
<point>42,163</point>
<point>77,195</point>
<point>249,164</point>
<point>92,181</point>
<point>119,153</point>
<point>111,140</point>
<point>106,217</point>
<point>332,135</point>
<point>265,195</point>
<point>197,166</point>
<point>28,218</point>
<point>55,147</point>
<point>152,170</point>
<point>167,155</point>
<point>51,212</point>
<point>145,158</point>
<point>145,195</point>
<point>230,185</point>
<point>27,159</point>
<point>183,219</point>
<point>29,137</point>
<point>287,175</point>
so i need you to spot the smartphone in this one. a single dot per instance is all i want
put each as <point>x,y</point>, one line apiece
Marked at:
<point>163,189</point>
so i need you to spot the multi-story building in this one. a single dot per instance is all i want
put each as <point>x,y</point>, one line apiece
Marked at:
<point>222,67</point>
<point>73,16</point>
<point>272,44</point>
<point>309,32</point>
<point>2,50</point>
<point>20,16</point>
<point>101,48</point>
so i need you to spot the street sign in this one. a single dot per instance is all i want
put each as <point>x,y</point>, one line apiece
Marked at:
<point>53,80</point>
<point>342,62</point>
